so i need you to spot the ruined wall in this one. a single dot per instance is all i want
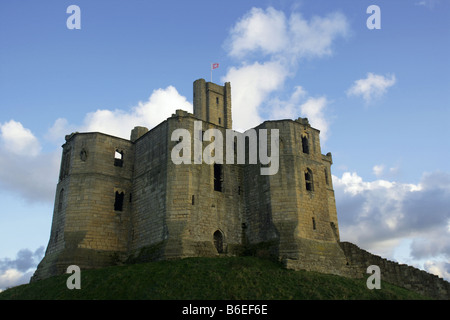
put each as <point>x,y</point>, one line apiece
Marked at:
<point>401,275</point>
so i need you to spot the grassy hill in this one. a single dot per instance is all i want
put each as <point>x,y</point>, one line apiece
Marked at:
<point>231,278</point>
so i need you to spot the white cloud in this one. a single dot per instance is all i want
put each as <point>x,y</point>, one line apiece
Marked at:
<point>18,140</point>
<point>59,130</point>
<point>24,168</point>
<point>271,32</point>
<point>372,87</point>
<point>251,85</point>
<point>313,109</point>
<point>280,109</point>
<point>161,104</point>
<point>259,30</point>
<point>282,41</point>
<point>378,170</point>
<point>299,104</point>
<point>314,38</point>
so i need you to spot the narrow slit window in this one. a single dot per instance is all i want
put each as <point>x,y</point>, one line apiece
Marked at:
<point>193,199</point>
<point>314,223</point>
<point>326,176</point>
<point>118,203</point>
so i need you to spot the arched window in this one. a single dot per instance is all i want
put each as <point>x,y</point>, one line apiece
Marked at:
<point>218,241</point>
<point>309,180</point>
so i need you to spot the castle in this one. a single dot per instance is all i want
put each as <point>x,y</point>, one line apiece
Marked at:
<point>121,200</point>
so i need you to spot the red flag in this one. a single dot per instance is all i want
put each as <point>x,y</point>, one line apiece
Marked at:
<point>215,65</point>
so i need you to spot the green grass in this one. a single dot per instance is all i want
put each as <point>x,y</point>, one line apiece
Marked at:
<point>234,278</point>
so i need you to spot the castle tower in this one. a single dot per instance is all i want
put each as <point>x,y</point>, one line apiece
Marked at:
<point>212,103</point>
<point>92,208</point>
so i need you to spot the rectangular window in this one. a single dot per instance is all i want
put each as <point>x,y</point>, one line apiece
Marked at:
<point>218,177</point>
<point>305,145</point>
<point>309,180</point>
<point>118,203</point>
<point>118,158</point>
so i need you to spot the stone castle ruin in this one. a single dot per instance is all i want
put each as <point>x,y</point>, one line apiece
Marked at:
<point>125,201</point>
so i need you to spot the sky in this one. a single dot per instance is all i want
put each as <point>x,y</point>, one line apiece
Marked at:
<point>376,83</point>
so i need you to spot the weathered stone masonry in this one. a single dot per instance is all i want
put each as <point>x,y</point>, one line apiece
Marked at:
<point>121,200</point>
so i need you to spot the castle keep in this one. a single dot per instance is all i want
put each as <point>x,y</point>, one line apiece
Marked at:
<point>121,200</point>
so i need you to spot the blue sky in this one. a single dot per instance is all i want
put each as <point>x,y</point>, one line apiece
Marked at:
<point>380,98</point>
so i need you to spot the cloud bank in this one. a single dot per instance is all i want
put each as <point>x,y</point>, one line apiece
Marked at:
<point>18,271</point>
<point>379,215</point>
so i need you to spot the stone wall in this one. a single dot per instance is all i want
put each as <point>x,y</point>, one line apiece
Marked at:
<point>195,209</point>
<point>149,198</point>
<point>401,275</point>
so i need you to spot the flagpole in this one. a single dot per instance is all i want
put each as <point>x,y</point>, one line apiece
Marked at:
<point>214,65</point>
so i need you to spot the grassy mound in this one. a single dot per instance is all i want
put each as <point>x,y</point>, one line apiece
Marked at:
<point>230,278</point>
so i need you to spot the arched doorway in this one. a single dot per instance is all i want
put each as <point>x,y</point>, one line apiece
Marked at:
<point>218,241</point>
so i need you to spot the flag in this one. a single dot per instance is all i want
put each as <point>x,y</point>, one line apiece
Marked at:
<point>214,66</point>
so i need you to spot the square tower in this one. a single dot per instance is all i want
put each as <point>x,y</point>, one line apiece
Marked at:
<point>212,103</point>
